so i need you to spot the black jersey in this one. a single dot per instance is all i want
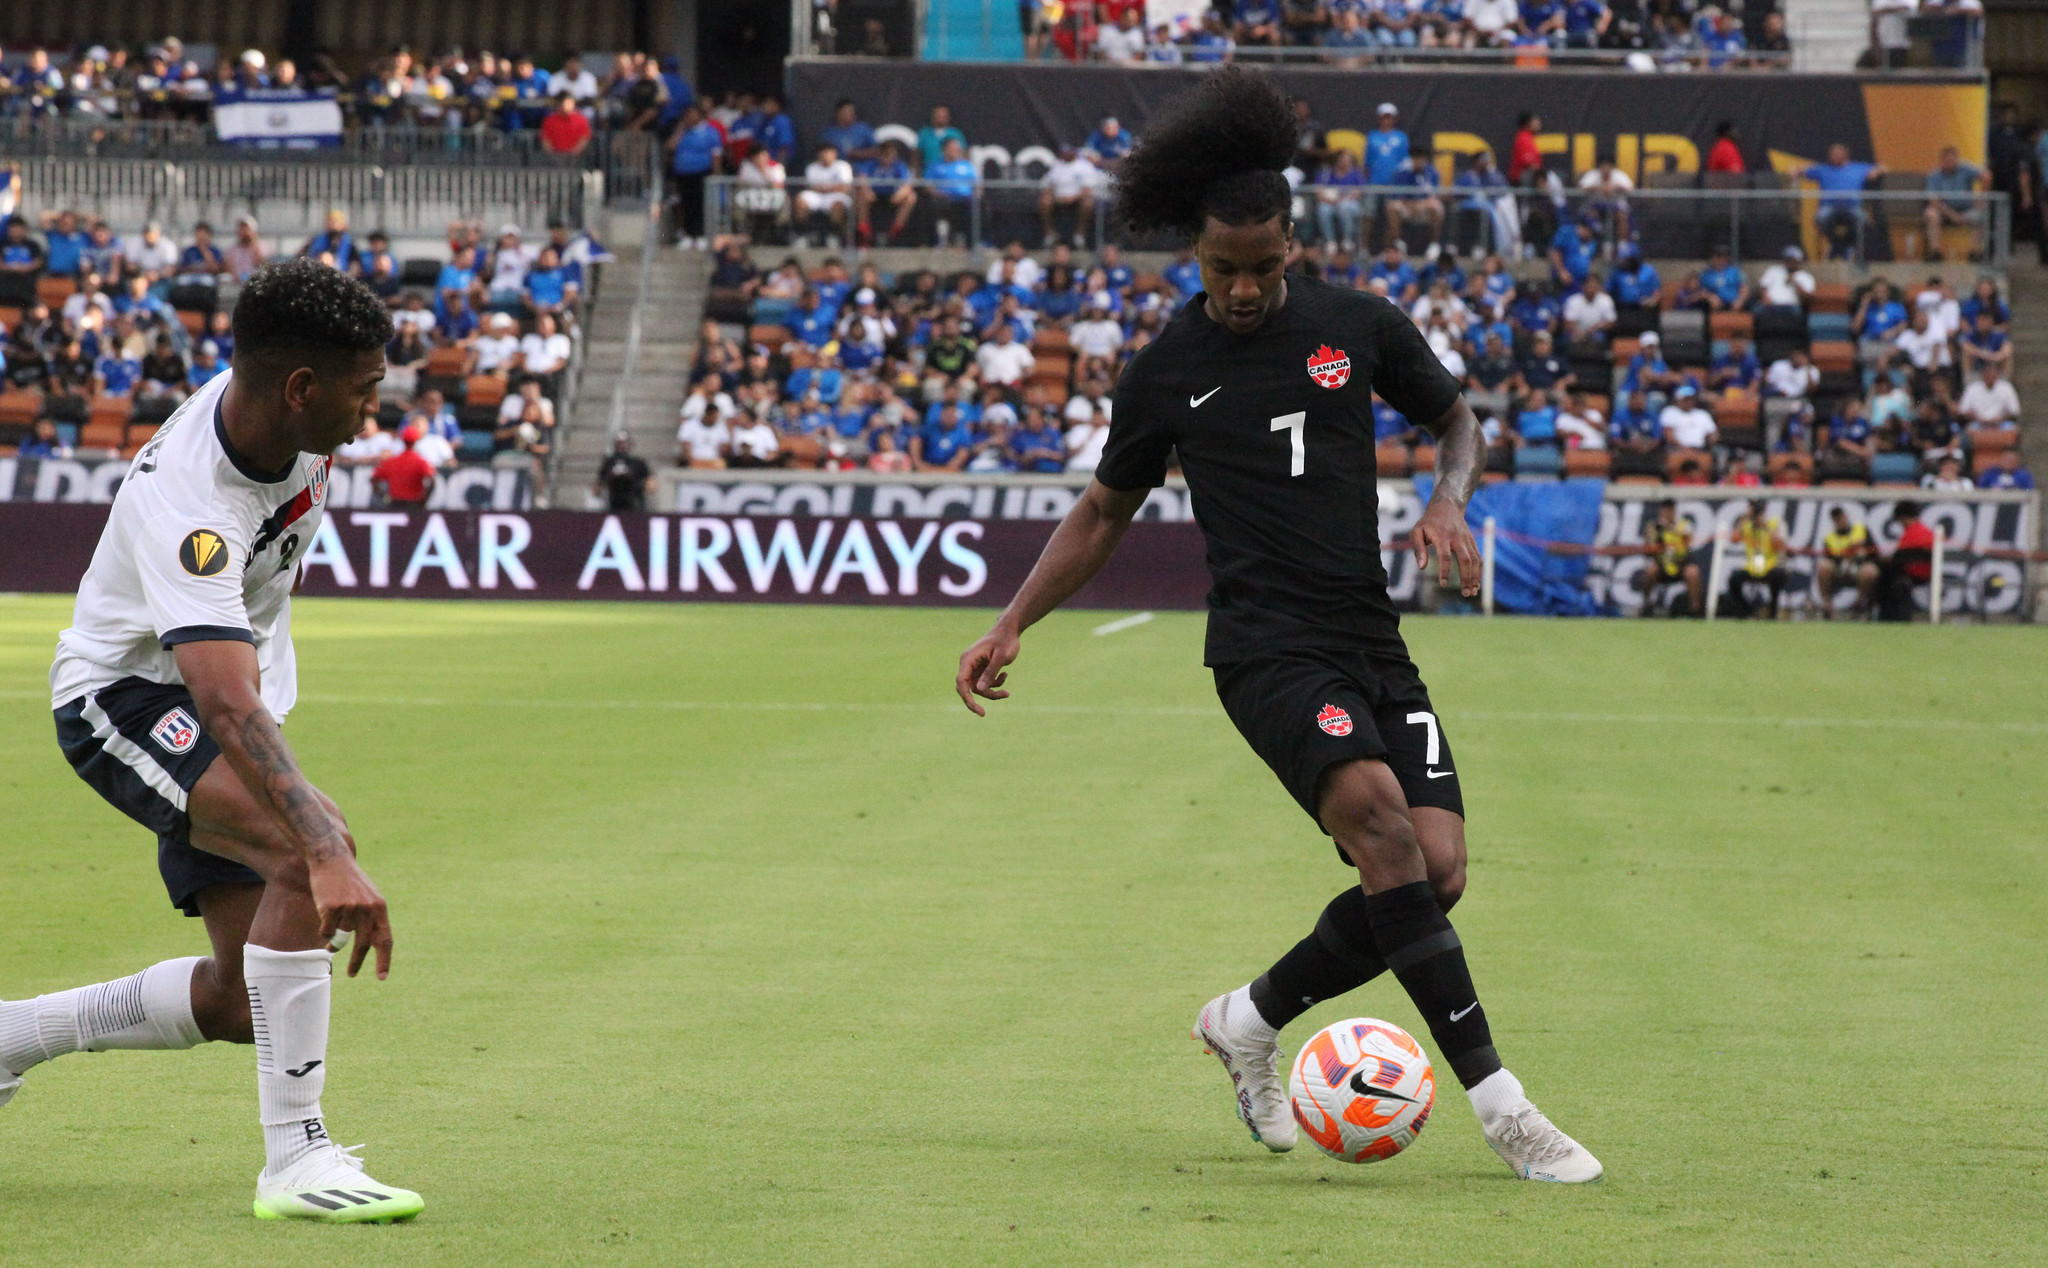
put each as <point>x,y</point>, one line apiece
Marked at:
<point>1275,434</point>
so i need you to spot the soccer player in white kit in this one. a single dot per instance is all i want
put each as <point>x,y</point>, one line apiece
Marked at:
<point>169,690</point>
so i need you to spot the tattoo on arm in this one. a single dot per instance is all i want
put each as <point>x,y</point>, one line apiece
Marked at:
<point>1459,459</point>
<point>286,788</point>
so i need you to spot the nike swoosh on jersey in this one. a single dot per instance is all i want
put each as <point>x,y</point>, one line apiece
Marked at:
<point>1195,402</point>
<point>1438,774</point>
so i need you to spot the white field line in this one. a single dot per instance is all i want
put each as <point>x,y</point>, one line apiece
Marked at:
<point>1118,627</point>
<point>947,705</point>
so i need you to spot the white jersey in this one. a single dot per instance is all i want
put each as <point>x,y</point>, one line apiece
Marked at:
<point>199,546</point>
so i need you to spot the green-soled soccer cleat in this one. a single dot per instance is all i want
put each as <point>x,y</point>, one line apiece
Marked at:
<point>329,1185</point>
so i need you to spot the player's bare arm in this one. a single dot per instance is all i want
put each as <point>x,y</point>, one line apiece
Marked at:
<point>1460,461</point>
<point>1079,548</point>
<point>223,679</point>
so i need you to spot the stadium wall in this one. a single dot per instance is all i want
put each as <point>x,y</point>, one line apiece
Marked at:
<point>971,543</point>
<point>1651,123</point>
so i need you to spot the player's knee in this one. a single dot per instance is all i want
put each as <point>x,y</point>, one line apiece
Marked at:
<point>220,1003</point>
<point>1449,887</point>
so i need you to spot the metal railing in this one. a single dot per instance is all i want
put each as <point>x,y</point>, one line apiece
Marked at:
<point>1687,222</point>
<point>293,198</point>
<point>630,161</point>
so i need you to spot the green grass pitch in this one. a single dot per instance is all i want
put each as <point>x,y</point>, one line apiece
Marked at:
<point>723,934</point>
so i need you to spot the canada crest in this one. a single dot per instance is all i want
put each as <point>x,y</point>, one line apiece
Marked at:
<point>1334,720</point>
<point>1330,367</point>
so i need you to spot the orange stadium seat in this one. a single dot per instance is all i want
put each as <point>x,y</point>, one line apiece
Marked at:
<point>101,435</point>
<point>1048,339</point>
<point>483,389</point>
<point>1582,463</point>
<point>446,363</point>
<point>1625,350</point>
<point>110,409</point>
<point>1829,297</point>
<point>1834,356</point>
<point>1425,458</point>
<point>138,434</point>
<point>55,290</point>
<point>1791,469</point>
<point>1392,461</point>
<point>10,317</point>
<point>1731,326</point>
<point>1689,466</point>
<point>770,337</point>
<point>20,406</point>
<point>1993,440</point>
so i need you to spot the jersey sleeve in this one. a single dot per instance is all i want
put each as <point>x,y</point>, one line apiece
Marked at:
<point>1140,438</point>
<point>1407,374</point>
<point>190,571</point>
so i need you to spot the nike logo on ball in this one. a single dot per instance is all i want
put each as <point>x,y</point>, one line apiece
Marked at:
<point>1461,1013</point>
<point>1438,774</point>
<point>1360,1086</point>
<point>1195,402</point>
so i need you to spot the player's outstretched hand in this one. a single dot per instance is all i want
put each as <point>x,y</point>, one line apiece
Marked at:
<point>982,669</point>
<point>347,899</point>
<point>1443,526</point>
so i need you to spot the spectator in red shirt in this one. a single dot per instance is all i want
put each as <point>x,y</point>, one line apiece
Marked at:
<point>565,130</point>
<point>405,478</point>
<point>1524,159</point>
<point>1726,156</point>
<point>1910,563</point>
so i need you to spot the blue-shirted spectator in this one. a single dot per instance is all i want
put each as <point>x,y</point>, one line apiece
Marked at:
<point>954,180</point>
<point>1386,147</point>
<point>1634,283</point>
<point>775,133</point>
<point>1880,317</point>
<point>1211,44</point>
<point>1736,368</point>
<point>1038,444</point>
<point>944,444</point>
<point>680,97</point>
<point>1537,423</point>
<point>1572,250</point>
<point>1952,200</point>
<point>459,274</point>
<point>1395,270</point>
<point>1634,425</point>
<point>1984,342</point>
<point>1840,218</point>
<point>1723,40</point>
<point>1724,281</point>
<point>334,241</point>
<point>1544,19</point>
<point>1348,30</point>
<point>1258,22</point>
<point>1984,298</point>
<point>1585,21</point>
<point>1184,275</point>
<point>854,139</point>
<point>1340,202</point>
<point>206,366</point>
<point>824,378</point>
<point>1109,142</point>
<point>933,138</point>
<point>813,321</point>
<point>1388,423</point>
<point>1395,23</point>
<point>118,375</point>
<point>66,244</point>
<point>2007,473</point>
<point>1534,311</point>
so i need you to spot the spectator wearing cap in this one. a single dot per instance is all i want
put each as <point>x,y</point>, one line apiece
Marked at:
<point>1786,285</point>
<point>1685,423</point>
<point>1069,184</point>
<point>333,242</point>
<point>1647,370</point>
<point>206,366</point>
<point>1840,216</point>
<point>1386,148</point>
<point>405,478</point>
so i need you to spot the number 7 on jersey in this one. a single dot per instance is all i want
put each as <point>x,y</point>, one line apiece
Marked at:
<point>1296,425</point>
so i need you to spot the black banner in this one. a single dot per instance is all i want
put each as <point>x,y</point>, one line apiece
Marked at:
<point>717,558</point>
<point>1650,122</point>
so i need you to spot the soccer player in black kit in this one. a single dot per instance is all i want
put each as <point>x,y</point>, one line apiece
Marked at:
<point>1263,385</point>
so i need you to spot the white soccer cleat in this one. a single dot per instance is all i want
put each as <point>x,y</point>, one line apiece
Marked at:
<point>1535,1149</point>
<point>1254,1069</point>
<point>328,1185</point>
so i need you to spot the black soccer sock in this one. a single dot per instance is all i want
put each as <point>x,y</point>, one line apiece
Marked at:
<point>1338,957</point>
<point>1419,945</point>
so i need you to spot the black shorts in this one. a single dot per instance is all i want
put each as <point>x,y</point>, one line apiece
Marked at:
<point>1305,711</point>
<point>140,745</point>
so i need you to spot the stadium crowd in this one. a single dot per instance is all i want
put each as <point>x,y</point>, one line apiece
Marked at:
<point>102,335</point>
<point>1582,367</point>
<point>1352,32</point>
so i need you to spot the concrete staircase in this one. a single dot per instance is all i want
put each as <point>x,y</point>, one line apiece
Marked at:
<point>677,283</point>
<point>2027,292</point>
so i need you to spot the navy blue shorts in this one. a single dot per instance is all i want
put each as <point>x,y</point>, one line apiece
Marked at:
<point>140,745</point>
<point>1305,711</point>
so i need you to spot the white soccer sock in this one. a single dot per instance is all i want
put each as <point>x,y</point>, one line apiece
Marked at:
<point>1243,1017</point>
<point>1495,1095</point>
<point>150,1009</point>
<point>289,996</point>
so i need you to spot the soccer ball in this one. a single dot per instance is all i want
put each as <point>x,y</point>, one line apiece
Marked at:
<point>1362,1090</point>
